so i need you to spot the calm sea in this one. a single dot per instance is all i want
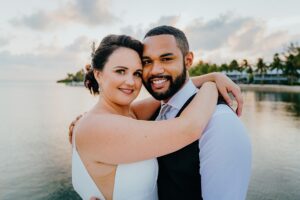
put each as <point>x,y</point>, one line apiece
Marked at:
<point>35,153</point>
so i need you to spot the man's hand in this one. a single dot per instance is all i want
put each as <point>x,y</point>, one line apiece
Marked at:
<point>225,86</point>
<point>71,127</point>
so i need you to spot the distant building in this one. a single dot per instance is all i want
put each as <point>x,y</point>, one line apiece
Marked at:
<point>237,76</point>
<point>274,76</point>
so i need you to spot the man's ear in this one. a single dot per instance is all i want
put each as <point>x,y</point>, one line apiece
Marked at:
<point>188,60</point>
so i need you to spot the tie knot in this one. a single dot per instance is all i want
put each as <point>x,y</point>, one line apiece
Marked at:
<point>163,112</point>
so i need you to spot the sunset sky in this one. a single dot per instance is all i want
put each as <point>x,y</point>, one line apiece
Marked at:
<point>44,40</point>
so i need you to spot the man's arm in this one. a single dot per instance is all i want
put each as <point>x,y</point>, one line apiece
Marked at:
<point>225,157</point>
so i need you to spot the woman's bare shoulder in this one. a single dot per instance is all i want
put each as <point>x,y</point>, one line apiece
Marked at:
<point>101,121</point>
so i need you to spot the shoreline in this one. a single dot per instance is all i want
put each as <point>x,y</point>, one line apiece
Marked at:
<point>245,87</point>
<point>270,88</point>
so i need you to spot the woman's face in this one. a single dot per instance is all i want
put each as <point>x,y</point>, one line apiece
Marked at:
<point>120,80</point>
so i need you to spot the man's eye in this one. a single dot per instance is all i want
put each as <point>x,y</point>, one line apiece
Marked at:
<point>146,62</point>
<point>166,59</point>
<point>120,71</point>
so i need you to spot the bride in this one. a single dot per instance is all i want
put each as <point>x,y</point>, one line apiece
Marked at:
<point>114,147</point>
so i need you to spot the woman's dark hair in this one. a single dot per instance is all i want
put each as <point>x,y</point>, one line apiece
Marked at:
<point>100,56</point>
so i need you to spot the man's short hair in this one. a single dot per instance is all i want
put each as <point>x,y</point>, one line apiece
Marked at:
<point>180,37</point>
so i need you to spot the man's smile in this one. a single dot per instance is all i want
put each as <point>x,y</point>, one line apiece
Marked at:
<point>158,83</point>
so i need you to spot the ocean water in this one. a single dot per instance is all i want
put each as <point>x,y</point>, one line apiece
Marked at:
<point>36,155</point>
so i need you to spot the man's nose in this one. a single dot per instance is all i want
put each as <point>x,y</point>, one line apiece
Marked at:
<point>157,68</point>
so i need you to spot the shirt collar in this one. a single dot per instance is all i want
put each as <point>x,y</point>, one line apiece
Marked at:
<point>179,98</point>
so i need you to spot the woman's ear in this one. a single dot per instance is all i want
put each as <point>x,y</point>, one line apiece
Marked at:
<point>188,60</point>
<point>98,76</point>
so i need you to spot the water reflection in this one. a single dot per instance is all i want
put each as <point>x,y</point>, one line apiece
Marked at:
<point>291,100</point>
<point>273,122</point>
<point>36,153</point>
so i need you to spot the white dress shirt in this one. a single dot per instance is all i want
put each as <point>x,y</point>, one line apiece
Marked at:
<point>225,150</point>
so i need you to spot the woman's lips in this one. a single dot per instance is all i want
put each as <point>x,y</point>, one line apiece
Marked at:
<point>127,91</point>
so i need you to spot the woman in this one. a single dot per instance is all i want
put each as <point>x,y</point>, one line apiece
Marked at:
<point>113,153</point>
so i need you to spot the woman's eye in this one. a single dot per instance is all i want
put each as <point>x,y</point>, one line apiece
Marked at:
<point>120,71</point>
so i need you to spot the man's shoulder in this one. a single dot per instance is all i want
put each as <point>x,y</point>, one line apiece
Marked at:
<point>223,109</point>
<point>224,123</point>
<point>224,116</point>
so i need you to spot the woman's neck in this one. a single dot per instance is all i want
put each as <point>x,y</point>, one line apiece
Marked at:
<point>111,107</point>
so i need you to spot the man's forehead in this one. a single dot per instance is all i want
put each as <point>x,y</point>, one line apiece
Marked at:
<point>160,44</point>
<point>164,39</point>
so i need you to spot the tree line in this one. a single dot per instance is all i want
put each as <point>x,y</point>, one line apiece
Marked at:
<point>287,62</point>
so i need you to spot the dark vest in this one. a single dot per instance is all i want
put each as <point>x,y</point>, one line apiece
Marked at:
<point>178,176</point>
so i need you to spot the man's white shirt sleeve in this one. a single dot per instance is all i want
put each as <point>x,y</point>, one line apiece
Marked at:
<point>225,157</point>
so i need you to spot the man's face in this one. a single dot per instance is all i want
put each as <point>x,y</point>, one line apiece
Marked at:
<point>164,72</point>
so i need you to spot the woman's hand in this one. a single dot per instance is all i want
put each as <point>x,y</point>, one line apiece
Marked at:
<point>225,86</point>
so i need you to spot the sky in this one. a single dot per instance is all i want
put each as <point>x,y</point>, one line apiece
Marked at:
<point>45,40</point>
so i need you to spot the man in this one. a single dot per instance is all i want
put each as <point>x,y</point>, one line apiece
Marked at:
<point>218,165</point>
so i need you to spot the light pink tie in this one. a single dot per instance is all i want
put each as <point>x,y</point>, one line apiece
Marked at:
<point>163,112</point>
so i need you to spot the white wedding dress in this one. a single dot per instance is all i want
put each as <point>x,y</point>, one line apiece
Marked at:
<point>134,181</point>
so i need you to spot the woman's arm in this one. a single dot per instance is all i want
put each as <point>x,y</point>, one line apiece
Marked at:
<point>225,86</point>
<point>144,109</point>
<point>115,139</point>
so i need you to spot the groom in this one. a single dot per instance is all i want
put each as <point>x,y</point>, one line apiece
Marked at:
<point>217,167</point>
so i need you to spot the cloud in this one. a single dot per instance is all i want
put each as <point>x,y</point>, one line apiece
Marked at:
<point>87,12</point>
<point>133,31</point>
<point>39,21</point>
<point>139,31</point>
<point>52,59</point>
<point>212,34</point>
<point>166,20</point>
<point>5,40</point>
<point>225,37</point>
<point>229,37</point>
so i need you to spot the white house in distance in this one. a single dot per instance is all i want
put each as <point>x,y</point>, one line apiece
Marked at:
<point>274,76</point>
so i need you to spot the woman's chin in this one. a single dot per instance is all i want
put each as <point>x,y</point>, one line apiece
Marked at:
<point>126,101</point>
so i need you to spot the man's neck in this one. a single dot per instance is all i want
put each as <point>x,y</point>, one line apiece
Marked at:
<point>186,81</point>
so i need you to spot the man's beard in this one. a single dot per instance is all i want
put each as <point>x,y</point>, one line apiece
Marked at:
<point>173,87</point>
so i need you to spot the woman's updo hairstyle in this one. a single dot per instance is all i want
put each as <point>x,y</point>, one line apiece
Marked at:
<point>100,56</point>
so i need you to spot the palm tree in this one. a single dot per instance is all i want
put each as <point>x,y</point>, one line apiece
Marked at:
<point>291,69</point>
<point>292,63</point>
<point>246,66</point>
<point>70,76</point>
<point>277,64</point>
<point>224,67</point>
<point>261,68</point>
<point>233,65</point>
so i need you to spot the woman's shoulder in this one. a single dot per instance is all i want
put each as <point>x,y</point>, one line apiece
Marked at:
<point>100,121</point>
